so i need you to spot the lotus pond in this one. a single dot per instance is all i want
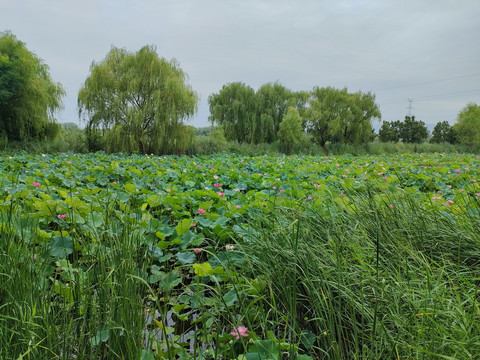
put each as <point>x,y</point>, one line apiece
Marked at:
<point>229,257</point>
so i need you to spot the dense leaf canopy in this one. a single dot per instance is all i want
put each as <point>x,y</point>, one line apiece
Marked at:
<point>291,129</point>
<point>235,109</point>
<point>467,126</point>
<point>338,116</point>
<point>443,133</point>
<point>249,116</point>
<point>28,96</point>
<point>138,101</point>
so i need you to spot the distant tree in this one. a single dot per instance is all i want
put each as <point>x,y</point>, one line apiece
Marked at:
<point>390,131</point>
<point>272,103</point>
<point>443,133</point>
<point>234,108</point>
<point>203,131</point>
<point>136,102</point>
<point>73,137</point>
<point>291,130</point>
<point>338,116</point>
<point>413,131</point>
<point>28,96</point>
<point>218,137</point>
<point>467,126</point>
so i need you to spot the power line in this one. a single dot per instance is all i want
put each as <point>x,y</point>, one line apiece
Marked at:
<point>434,97</point>
<point>428,82</point>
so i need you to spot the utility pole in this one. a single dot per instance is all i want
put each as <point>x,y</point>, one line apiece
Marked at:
<point>410,107</point>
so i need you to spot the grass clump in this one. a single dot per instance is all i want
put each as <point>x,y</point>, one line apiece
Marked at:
<point>373,281</point>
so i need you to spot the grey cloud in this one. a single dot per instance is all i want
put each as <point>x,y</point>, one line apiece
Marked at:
<point>387,47</point>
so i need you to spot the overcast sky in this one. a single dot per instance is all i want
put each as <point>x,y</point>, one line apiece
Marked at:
<point>424,50</point>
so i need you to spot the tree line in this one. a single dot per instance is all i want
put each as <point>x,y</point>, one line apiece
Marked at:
<point>327,114</point>
<point>138,102</point>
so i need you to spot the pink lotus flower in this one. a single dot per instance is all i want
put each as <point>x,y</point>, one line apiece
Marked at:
<point>216,185</point>
<point>342,195</point>
<point>282,191</point>
<point>36,184</point>
<point>239,207</point>
<point>62,216</point>
<point>220,194</point>
<point>309,197</point>
<point>240,331</point>
<point>201,211</point>
<point>197,251</point>
<point>458,171</point>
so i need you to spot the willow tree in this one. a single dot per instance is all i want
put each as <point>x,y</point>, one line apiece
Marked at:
<point>138,101</point>
<point>234,109</point>
<point>338,116</point>
<point>272,104</point>
<point>467,126</point>
<point>290,131</point>
<point>28,96</point>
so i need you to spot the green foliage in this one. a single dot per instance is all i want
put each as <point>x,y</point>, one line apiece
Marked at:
<point>234,109</point>
<point>72,138</point>
<point>412,130</point>
<point>253,117</point>
<point>291,131</point>
<point>138,102</point>
<point>218,136</point>
<point>28,96</point>
<point>443,133</point>
<point>272,102</point>
<point>390,131</point>
<point>408,131</point>
<point>467,126</point>
<point>340,117</point>
<point>213,142</point>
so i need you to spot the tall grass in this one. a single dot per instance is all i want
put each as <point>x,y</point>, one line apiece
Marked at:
<point>69,309</point>
<point>372,282</point>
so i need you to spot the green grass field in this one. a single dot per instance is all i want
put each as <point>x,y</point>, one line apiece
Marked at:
<point>230,257</point>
